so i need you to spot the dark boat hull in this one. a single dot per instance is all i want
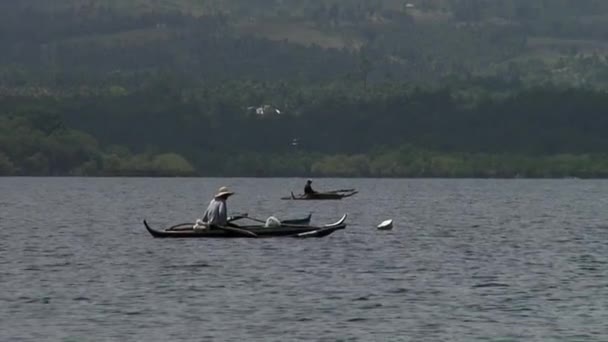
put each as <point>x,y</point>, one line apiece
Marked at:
<point>298,221</point>
<point>285,230</point>
<point>302,221</point>
<point>320,196</point>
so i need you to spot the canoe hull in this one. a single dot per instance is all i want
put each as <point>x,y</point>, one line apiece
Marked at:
<point>302,221</point>
<point>259,231</point>
<point>298,221</point>
<point>320,196</point>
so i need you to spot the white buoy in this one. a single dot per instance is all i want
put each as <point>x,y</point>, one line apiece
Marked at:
<point>386,225</point>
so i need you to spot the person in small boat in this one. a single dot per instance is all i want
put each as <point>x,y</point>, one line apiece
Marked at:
<point>308,191</point>
<point>217,212</point>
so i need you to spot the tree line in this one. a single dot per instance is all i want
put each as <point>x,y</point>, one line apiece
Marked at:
<point>334,129</point>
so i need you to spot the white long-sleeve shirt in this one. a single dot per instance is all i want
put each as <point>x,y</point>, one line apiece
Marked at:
<point>216,213</point>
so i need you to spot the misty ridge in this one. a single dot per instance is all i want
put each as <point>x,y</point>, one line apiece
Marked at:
<point>452,88</point>
<point>421,41</point>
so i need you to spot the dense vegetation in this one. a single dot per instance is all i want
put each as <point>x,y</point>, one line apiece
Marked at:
<point>332,130</point>
<point>73,43</point>
<point>457,88</point>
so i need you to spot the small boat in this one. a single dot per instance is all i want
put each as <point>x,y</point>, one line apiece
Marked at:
<point>252,231</point>
<point>333,195</point>
<point>189,225</point>
<point>386,225</point>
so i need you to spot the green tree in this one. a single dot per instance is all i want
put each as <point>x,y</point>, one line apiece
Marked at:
<point>7,168</point>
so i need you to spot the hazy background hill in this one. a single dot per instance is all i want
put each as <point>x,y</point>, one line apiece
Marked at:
<point>292,87</point>
<point>420,41</point>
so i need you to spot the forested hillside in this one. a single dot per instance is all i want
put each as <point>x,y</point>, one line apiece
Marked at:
<point>291,87</point>
<point>69,42</point>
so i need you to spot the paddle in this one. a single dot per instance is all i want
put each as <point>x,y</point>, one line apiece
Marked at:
<point>250,218</point>
<point>238,217</point>
<point>235,229</point>
<point>283,224</point>
<point>255,219</point>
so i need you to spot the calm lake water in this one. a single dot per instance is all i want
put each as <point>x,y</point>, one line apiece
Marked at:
<point>468,260</point>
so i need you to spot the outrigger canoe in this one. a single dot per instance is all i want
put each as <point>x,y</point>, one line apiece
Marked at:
<point>189,225</point>
<point>321,196</point>
<point>252,231</point>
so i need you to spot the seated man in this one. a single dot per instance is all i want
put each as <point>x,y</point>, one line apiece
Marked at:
<point>217,212</point>
<point>308,191</point>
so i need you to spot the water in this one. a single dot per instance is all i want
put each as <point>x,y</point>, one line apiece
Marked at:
<point>468,260</point>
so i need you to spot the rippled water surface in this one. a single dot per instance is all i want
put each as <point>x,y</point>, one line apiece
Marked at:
<point>468,260</point>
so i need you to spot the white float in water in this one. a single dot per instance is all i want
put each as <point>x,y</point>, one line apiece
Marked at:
<point>386,225</point>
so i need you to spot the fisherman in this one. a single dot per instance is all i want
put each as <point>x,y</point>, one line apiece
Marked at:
<point>217,212</point>
<point>308,191</point>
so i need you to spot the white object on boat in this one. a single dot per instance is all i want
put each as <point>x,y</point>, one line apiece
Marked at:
<point>386,225</point>
<point>272,222</point>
